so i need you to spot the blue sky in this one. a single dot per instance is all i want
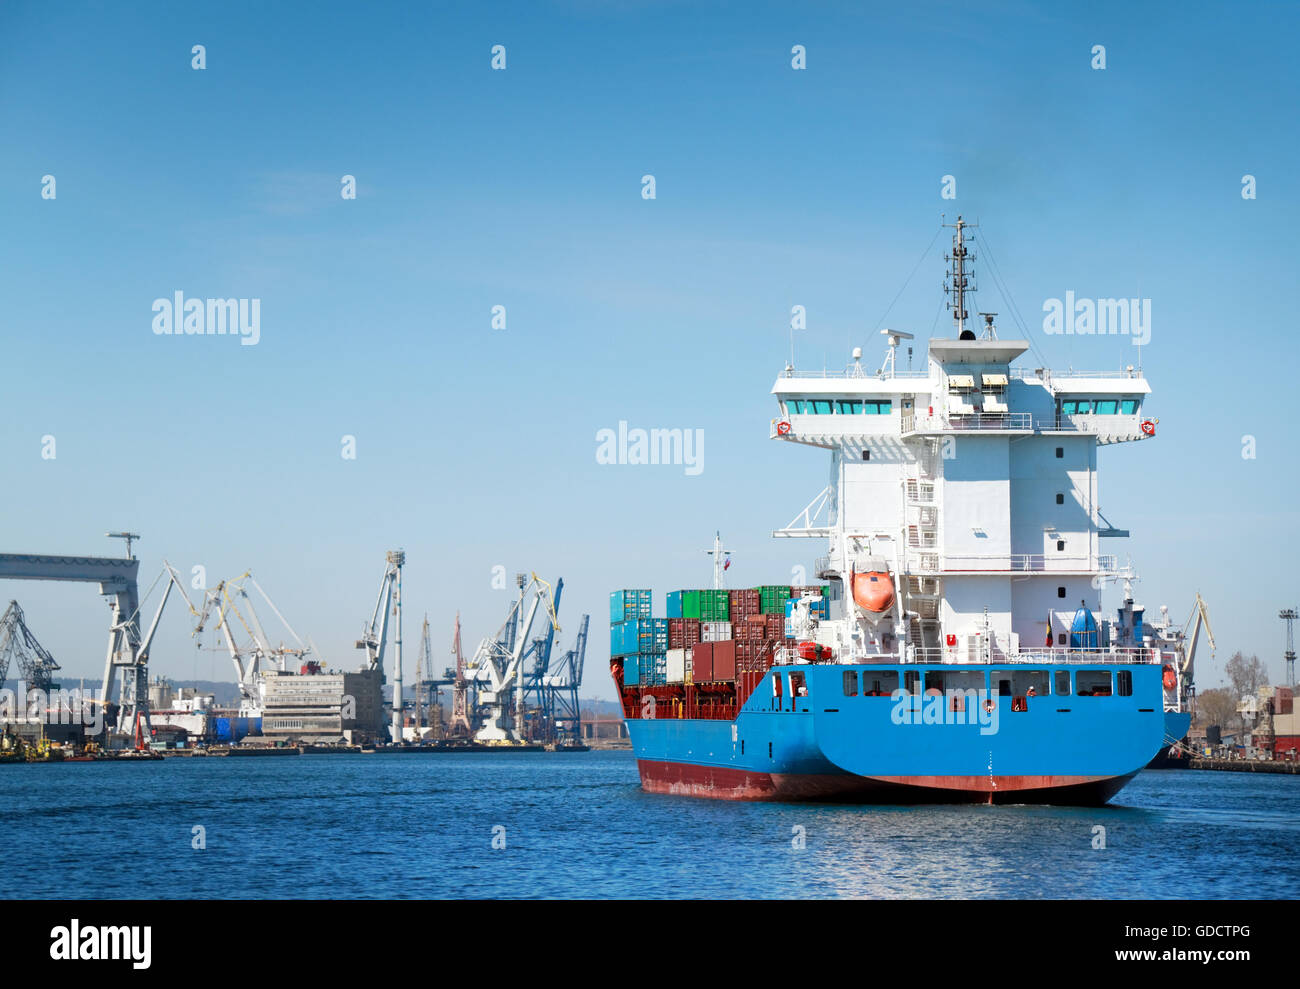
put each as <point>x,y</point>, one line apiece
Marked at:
<point>522,188</point>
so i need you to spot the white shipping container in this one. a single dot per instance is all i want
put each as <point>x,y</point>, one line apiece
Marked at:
<point>715,631</point>
<point>676,665</point>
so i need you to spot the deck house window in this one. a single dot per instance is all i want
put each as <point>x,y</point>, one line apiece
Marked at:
<point>850,683</point>
<point>1092,683</point>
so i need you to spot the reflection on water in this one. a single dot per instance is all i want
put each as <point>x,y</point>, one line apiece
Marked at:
<point>579,825</point>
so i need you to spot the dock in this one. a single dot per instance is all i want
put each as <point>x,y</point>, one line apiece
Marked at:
<point>1248,765</point>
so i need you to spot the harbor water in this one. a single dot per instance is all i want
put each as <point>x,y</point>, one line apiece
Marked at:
<point>578,825</point>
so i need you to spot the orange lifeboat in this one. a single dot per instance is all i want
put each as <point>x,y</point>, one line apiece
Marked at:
<point>873,589</point>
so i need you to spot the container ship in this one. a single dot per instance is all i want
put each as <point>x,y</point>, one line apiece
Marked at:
<point>951,650</point>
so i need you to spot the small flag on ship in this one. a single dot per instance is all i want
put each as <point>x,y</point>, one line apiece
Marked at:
<point>727,564</point>
<point>1049,630</point>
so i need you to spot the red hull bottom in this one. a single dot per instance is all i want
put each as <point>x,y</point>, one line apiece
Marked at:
<point>724,783</point>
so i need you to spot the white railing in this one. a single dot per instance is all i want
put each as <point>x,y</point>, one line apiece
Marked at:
<point>962,422</point>
<point>1063,656</point>
<point>1053,656</point>
<point>860,373</point>
<point>1025,373</point>
<point>1029,562</point>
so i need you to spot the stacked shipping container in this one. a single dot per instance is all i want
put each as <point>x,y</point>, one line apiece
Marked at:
<point>639,640</point>
<point>716,639</point>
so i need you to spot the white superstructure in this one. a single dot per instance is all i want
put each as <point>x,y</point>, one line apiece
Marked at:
<point>972,483</point>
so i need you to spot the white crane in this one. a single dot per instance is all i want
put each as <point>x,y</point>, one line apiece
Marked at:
<point>224,600</point>
<point>374,639</point>
<point>500,666</point>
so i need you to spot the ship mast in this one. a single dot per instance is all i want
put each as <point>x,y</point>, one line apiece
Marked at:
<point>960,280</point>
<point>721,560</point>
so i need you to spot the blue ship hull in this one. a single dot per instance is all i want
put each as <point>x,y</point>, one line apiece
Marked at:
<point>1062,748</point>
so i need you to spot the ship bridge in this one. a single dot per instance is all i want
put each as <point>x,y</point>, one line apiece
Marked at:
<point>975,479</point>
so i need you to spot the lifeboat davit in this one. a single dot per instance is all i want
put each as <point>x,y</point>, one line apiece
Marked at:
<point>873,588</point>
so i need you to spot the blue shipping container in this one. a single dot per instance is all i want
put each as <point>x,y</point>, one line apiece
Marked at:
<point>631,670</point>
<point>674,604</point>
<point>629,604</point>
<point>653,667</point>
<point>624,638</point>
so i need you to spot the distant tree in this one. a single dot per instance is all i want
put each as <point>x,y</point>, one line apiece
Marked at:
<point>1217,707</point>
<point>1247,674</point>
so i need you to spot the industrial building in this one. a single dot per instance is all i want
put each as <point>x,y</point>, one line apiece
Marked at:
<point>322,708</point>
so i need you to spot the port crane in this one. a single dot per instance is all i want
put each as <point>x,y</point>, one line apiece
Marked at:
<point>375,636</point>
<point>36,667</point>
<point>497,666</point>
<point>224,600</point>
<point>561,686</point>
<point>540,650</point>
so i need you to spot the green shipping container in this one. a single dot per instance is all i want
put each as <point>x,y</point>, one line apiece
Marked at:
<point>773,598</point>
<point>690,604</point>
<point>715,606</point>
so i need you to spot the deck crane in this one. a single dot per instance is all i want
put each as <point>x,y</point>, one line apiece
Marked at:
<point>499,669</point>
<point>374,639</point>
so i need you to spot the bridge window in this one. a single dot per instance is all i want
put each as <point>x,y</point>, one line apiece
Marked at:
<point>881,408</point>
<point>1128,406</point>
<point>794,406</point>
<point>1106,406</point>
<point>849,406</point>
<point>819,406</point>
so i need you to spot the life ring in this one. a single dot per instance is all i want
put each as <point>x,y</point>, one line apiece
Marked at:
<point>1148,427</point>
<point>782,428</point>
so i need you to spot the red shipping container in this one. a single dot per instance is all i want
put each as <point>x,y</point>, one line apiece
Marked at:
<point>775,626</point>
<point>702,662</point>
<point>744,603</point>
<point>683,632</point>
<point>724,660</point>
